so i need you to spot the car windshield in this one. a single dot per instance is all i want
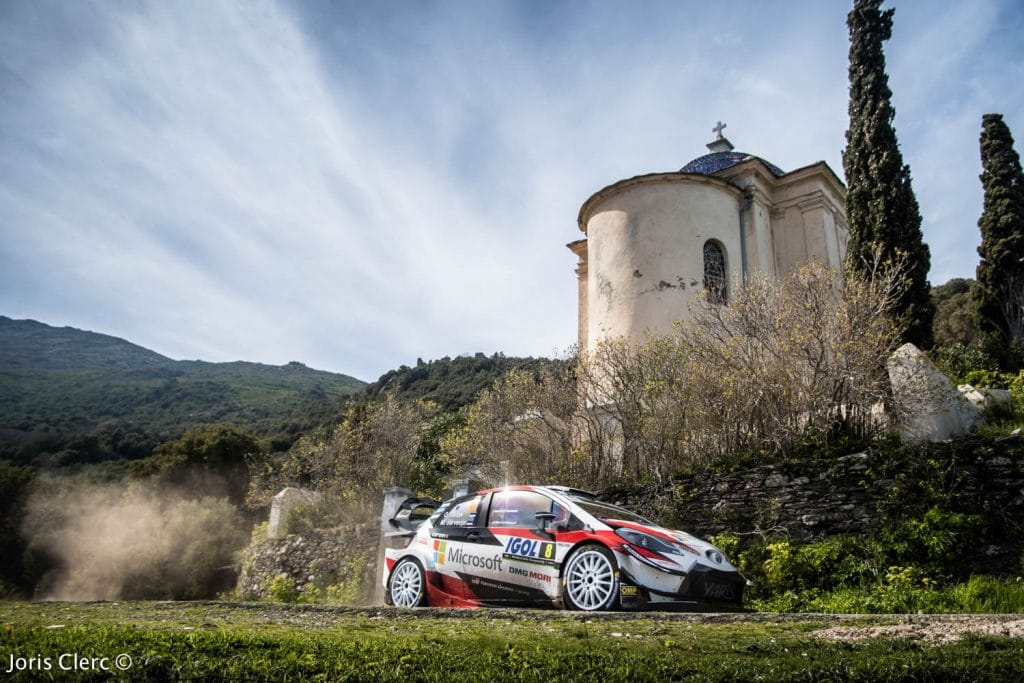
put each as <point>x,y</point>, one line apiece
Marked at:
<point>603,510</point>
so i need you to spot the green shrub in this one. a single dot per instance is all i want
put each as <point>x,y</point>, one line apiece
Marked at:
<point>905,591</point>
<point>985,594</point>
<point>309,594</point>
<point>988,379</point>
<point>936,539</point>
<point>349,588</point>
<point>824,565</point>
<point>259,533</point>
<point>957,361</point>
<point>282,589</point>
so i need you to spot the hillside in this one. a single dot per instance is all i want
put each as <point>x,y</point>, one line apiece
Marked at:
<point>56,382</point>
<point>451,382</point>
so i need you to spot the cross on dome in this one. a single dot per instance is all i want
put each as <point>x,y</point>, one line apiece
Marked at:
<point>720,143</point>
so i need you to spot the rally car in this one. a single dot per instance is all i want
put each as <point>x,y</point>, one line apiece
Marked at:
<point>553,546</point>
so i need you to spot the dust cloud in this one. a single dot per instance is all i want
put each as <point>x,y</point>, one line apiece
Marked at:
<point>140,541</point>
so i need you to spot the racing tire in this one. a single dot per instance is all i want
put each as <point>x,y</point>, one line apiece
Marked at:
<point>590,581</point>
<point>407,585</point>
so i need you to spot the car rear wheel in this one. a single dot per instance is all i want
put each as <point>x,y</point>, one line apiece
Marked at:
<point>407,585</point>
<point>591,579</point>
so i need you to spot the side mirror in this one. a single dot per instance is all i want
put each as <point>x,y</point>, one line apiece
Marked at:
<point>545,518</point>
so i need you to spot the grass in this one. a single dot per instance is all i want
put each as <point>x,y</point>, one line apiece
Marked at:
<point>184,641</point>
<point>977,595</point>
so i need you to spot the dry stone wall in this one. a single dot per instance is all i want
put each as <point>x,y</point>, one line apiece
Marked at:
<point>343,557</point>
<point>846,498</point>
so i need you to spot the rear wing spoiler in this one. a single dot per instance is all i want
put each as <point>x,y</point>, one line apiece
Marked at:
<point>413,512</point>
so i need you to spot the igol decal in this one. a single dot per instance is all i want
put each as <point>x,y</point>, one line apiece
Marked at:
<point>527,550</point>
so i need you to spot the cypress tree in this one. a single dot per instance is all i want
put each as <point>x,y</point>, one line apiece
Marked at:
<point>1000,291</point>
<point>881,210</point>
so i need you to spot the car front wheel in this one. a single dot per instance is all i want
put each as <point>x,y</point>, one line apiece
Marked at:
<point>591,579</point>
<point>407,585</point>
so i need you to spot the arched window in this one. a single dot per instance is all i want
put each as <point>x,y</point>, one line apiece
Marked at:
<point>716,277</point>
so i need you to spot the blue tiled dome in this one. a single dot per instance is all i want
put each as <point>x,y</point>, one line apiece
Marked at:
<point>716,161</point>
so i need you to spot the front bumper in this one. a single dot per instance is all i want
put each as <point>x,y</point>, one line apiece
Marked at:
<point>701,588</point>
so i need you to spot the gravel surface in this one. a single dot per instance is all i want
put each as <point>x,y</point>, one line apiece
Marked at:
<point>930,628</point>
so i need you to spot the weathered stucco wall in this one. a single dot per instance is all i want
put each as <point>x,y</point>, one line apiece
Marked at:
<point>645,259</point>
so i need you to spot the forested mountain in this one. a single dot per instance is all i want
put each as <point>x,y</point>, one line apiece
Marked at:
<point>61,384</point>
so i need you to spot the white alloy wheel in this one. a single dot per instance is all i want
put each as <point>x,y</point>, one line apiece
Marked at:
<point>406,587</point>
<point>590,580</point>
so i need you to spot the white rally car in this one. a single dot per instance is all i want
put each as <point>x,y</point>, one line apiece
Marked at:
<point>549,545</point>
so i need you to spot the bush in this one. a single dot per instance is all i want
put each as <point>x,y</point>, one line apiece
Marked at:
<point>958,360</point>
<point>988,379</point>
<point>780,566</point>
<point>282,589</point>
<point>904,591</point>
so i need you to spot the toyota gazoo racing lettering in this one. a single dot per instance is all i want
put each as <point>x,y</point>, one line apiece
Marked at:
<point>460,556</point>
<point>529,550</point>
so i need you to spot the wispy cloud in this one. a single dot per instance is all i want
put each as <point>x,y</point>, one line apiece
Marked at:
<point>354,186</point>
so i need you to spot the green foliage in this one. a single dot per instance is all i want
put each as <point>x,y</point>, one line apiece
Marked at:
<point>289,644</point>
<point>956,317</point>
<point>309,594</point>
<point>282,589</point>
<point>433,463</point>
<point>69,396</point>
<point>349,587</point>
<point>1017,394</point>
<point>882,212</point>
<point>905,591</point>
<point>15,484</point>
<point>958,360</point>
<point>1000,291</point>
<point>778,567</point>
<point>936,540</point>
<point>259,533</point>
<point>451,383</point>
<point>208,460</point>
<point>377,444</point>
<point>988,379</point>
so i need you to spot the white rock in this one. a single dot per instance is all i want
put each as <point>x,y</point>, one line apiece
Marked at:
<point>986,398</point>
<point>928,407</point>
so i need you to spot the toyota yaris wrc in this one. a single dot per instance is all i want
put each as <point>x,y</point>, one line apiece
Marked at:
<point>549,545</point>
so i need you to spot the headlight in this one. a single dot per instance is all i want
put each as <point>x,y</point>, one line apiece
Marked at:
<point>715,556</point>
<point>646,541</point>
<point>652,543</point>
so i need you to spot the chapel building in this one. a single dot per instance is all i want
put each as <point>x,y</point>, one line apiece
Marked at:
<point>654,242</point>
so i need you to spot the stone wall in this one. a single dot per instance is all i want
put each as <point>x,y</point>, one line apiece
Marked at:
<point>344,558</point>
<point>846,498</point>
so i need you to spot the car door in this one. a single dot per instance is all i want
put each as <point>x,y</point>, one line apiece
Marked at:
<point>530,551</point>
<point>455,529</point>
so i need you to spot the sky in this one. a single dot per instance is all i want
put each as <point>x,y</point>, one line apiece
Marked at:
<point>355,185</point>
